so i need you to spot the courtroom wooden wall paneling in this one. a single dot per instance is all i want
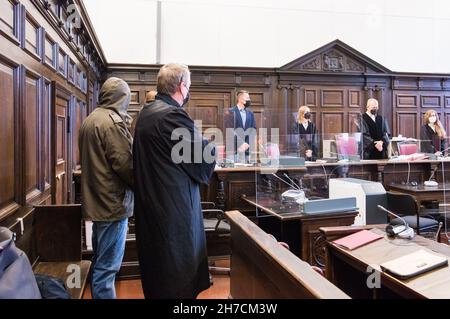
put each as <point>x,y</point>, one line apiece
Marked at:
<point>41,51</point>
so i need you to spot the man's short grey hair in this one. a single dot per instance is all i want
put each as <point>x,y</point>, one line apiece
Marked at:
<point>170,76</point>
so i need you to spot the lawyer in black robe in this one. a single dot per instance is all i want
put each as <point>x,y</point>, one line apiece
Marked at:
<point>431,142</point>
<point>373,131</point>
<point>307,140</point>
<point>169,225</point>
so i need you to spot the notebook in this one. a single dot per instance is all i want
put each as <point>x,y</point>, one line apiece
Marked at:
<point>357,240</point>
<point>414,264</point>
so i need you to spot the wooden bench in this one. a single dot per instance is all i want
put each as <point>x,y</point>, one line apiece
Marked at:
<point>263,269</point>
<point>58,246</point>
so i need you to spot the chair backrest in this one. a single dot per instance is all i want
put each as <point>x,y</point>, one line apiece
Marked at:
<point>346,146</point>
<point>402,204</point>
<point>407,148</point>
<point>272,151</point>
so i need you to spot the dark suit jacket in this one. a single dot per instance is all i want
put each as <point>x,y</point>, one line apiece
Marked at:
<point>237,123</point>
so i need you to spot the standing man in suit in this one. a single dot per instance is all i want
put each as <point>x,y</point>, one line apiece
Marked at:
<point>244,125</point>
<point>375,132</point>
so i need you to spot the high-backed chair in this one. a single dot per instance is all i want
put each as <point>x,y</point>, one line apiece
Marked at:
<point>406,206</point>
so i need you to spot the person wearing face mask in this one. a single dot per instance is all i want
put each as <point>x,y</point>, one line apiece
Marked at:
<point>432,134</point>
<point>375,131</point>
<point>307,133</point>
<point>170,235</point>
<point>243,119</point>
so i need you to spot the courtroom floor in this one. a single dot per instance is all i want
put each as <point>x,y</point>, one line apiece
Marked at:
<point>132,289</point>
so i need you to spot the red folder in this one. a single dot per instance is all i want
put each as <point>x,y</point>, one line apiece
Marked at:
<point>357,240</point>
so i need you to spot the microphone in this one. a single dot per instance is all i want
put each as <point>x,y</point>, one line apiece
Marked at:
<point>402,231</point>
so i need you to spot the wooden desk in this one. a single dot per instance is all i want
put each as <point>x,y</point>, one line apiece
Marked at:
<point>228,184</point>
<point>424,193</point>
<point>348,269</point>
<point>299,231</point>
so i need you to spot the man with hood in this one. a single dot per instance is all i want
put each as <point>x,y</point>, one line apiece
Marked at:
<point>169,223</point>
<point>106,182</point>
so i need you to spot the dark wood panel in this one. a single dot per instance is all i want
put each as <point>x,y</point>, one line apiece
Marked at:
<point>46,129</point>
<point>431,100</point>
<point>71,71</point>
<point>135,98</point>
<point>8,76</point>
<point>447,101</point>
<point>80,113</point>
<point>32,133</point>
<point>32,31</point>
<point>354,122</point>
<point>60,140</point>
<point>26,154</point>
<point>355,99</point>
<point>310,97</point>
<point>407,100</point>
<point>332,123</point>
<point>407,123</point>
<point>9,14</point>
<point>62,62</point>
<point>49,51</point>
<point>333,98</point>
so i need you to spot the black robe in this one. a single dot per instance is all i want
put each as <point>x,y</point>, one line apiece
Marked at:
<point>374,131</point>
<point>169,225</point>
<point>307,139</point>
<point>430,140</point>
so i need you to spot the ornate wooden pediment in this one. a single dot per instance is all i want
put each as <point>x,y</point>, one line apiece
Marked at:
<point>335,57</point>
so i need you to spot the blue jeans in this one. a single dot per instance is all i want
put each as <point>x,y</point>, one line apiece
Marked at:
<point>108,242</point>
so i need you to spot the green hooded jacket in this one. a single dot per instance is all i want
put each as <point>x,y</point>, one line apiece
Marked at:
<point>105,144</point>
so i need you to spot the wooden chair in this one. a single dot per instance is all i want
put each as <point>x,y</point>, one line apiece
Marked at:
<point>57,236</point>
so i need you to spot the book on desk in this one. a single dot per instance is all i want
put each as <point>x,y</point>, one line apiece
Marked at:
<point>357,240</point>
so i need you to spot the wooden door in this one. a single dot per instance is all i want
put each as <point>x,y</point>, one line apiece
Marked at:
<point>60,138</point>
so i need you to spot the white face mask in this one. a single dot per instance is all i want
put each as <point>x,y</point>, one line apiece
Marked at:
<point>432,119</point>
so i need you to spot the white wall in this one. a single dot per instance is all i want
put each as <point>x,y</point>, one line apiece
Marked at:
<point>403,35</point>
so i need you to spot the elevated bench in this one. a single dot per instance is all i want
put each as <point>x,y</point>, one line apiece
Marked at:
<point>263,269</point>
<point>57,236</point>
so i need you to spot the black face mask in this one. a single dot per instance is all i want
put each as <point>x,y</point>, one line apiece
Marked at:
<point>248,103</point>
<point>373,112</point>
<point>307,116</point>
<point>186,100</point>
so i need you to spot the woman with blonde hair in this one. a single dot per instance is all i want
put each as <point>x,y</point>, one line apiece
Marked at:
<point>307,134</point>
<point>432,134</point>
